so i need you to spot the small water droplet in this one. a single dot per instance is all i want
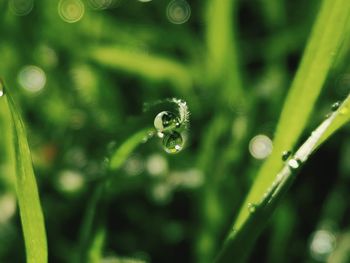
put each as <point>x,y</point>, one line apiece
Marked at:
<point>173,142</point>
<point>285,155</point>
<point>294,164</point>
<point>251,207</point>
<point>166,120</point>
<point>2,88</point>
<point>328,115</point>
<point>335,105</point>
<point>160,134</point>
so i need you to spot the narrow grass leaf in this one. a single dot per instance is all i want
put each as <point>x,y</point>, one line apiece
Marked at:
<point>239,242</point>
<point>26,188</point>
<point>327,36</point>
<point>149,66</point>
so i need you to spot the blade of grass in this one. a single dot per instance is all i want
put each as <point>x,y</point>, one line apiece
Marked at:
<point>239,242</point>
<point>117,159</point>
<point>148,66</point>
<point>26,188</point>
<point>324,43</point>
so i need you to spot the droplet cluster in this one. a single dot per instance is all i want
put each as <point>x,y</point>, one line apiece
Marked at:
<point>169,126</point>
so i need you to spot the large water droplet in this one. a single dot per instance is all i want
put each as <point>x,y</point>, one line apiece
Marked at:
<point>251,207</point>
<point>285,155</point>
<point>173,142</point>
<point>166,120</point>
<point>335,105</point>
<point>294,164</point>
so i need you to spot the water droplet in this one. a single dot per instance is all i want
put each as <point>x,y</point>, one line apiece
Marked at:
<point>251,207</point>
<point>173,142</point>
<point>294,164</point>
<point>335,105</point>
<point>2,88</point>
<point>165,120</point>
<point>328,115</point>
<point>285,155</point>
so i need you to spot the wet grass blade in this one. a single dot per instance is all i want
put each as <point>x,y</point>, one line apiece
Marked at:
<point>327,36</point>
<point>240,241</point>
<point>26,188</point>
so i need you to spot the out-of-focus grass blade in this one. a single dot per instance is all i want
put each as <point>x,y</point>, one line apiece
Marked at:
<point>26,188</point>
<point>125,149</point>
<point>149,66</point>
<point>91,246</point>
<point>327,35</point>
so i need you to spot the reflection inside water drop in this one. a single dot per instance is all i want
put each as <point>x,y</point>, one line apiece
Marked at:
<point>173,142</point>
<point>166,120</point>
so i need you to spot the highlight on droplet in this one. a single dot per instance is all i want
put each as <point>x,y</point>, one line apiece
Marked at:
<point>71,11</point>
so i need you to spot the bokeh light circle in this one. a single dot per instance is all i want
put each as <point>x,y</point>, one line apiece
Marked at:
<point>71,11</point>
<point>178,11</point>
<point>260,146</point>
<point>102,4</point>
<point>21,7</point>
<point>322,244</point>
<point>32,78</point>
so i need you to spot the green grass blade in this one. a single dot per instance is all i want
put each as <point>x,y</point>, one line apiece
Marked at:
<point>26,188</point>
<point>152,67</point>
<point>91,246</point>
<point>123,152</point>
<point>240,240</point>
<point>327,35</point>
<point>342,117</point>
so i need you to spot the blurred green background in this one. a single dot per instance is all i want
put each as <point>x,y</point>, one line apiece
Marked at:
<point>81,72</point>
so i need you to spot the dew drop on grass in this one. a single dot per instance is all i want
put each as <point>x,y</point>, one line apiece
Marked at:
<point>335,105</point>
<point>166,120</point>
<point>2,88</point>
<point>173,142</point>
<point>285,155</point>
<point>294,163</point>
<point>251,207</point>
